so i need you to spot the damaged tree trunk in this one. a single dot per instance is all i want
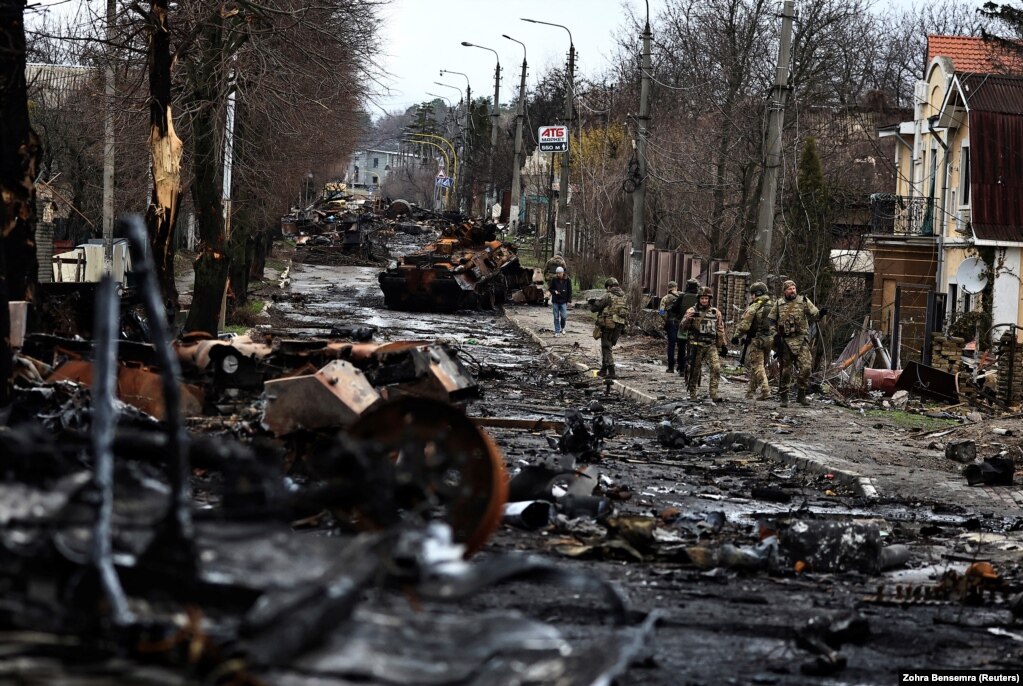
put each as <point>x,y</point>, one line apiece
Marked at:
<point>165,150</point>
<point>211,266</point>
<point>20,155</point>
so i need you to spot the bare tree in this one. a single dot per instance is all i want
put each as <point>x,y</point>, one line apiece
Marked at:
<point>20,154</point>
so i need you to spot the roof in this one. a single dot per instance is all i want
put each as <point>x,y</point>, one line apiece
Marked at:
<point>992,93</point>
<point>852,261</point>
<point>973,54</point>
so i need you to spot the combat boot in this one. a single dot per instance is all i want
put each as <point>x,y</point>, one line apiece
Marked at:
<point>692,394</point>
<point>749,394</point>
<point>611,372</point>
<point>764,395</point>
<point>801,399</point>
<point>785,399</point>
<point>603,371</point>
<point>671,369</point>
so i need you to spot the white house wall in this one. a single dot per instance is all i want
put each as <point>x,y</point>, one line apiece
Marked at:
<point>1006,294</point>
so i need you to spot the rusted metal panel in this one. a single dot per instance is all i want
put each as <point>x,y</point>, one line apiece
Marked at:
<point>332,397</point>
<point>140,388</point>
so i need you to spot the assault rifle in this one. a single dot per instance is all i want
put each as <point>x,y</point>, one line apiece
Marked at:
<point>745,346</point>
<point>692,369</point>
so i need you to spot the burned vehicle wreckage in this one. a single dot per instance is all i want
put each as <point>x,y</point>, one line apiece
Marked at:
<point>145,541</point>
<point>466,268</point>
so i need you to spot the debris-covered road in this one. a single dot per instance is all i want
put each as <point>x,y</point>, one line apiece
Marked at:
<point>638,539</point>
<point>690,535</point>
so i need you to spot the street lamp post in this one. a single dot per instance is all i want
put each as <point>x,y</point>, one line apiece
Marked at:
<point>513,210</point>
<point>465,125</point>
<point>495,119</point>
<point>463,98</point>
<point>560,239</point>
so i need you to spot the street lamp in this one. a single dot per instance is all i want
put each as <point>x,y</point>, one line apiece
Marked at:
<point>513,211</point>
<point>496,116</point>
<point>445,98</point>
<point>560,238</point>
<point>465,125</point>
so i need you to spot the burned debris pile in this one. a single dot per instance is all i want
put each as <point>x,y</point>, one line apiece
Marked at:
<point>466,268</point>
<point>159,555</point>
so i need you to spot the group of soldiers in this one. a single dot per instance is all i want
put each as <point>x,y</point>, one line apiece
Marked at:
<point>696,335</point>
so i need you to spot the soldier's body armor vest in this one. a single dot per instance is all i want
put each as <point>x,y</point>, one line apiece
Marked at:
<point>705,328</point>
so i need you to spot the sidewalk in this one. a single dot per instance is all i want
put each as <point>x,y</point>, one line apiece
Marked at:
<point>876,458</point>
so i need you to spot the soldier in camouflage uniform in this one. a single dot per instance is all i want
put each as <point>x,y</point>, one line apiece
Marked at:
<point>755,324</point>
<point>790,319</point>
<point>706,329</point>
<point>669,312</point>
<point>612,315</point>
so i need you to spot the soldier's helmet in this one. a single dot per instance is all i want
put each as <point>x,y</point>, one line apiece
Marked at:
<point>672,284</point>
<point>758,289</point>
<point>611,283</point>
<point>707,291</point>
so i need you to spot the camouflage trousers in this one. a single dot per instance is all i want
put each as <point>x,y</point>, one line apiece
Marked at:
<point>698,355</point>
<point>608,339</point>
<point>756,358</point>
<point>795,353</point>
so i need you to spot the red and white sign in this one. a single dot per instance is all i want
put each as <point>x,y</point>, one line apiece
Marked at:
<point>553,138</point>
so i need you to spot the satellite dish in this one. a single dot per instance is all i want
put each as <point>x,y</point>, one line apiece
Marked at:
<point>970,275</point>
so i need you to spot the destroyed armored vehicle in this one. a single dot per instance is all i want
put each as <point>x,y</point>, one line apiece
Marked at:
<point>467,268</point>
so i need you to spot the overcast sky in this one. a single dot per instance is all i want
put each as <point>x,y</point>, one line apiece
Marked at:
<point>421,37</point>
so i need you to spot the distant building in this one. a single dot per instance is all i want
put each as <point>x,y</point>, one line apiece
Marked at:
<point>369,168</point>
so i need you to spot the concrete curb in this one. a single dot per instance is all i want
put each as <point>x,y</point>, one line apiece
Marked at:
<point>623,388</point>
<point>806,458</point>
<point>801,455</point>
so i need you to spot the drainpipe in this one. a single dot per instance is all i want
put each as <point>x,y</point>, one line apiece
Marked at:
<point>939,276</point>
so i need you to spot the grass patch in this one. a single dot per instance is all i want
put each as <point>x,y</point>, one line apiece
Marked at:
<point>911,420</point>
<point>246,316</point>
<point>239,329</point>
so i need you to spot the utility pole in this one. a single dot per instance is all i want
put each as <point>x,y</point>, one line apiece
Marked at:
<point>496,120</point>
<point>108,135</point>
<point>465,154</point>
<point>761,262</point>
<point>513,211</point>
<point>560,233</point>
<point>642,131</point>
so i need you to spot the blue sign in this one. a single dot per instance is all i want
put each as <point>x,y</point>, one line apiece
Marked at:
<point>446,182</point>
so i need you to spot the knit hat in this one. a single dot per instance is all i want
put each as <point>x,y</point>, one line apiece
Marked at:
<point>787,283</point>
<point>559,270</point>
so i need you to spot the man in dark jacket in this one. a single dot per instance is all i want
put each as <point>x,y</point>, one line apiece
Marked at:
<point>561,294</point>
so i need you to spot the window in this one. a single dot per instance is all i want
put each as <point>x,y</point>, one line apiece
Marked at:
<point>376,162</point>
<point>964,175</point>
<point>376,180</point>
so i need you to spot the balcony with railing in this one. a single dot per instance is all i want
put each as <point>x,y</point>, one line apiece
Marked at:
<point>898,215</point>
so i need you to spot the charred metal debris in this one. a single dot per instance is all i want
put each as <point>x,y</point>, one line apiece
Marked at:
<point>162,553</point>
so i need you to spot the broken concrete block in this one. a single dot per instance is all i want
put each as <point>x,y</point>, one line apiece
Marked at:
<point>961,451</point>
<point>332,397</point>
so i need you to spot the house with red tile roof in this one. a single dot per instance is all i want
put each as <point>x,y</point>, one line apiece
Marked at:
<point>959,193</point>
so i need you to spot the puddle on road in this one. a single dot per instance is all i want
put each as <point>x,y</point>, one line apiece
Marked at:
<point>332,296</point>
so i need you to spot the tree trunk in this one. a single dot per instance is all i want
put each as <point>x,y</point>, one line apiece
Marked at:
<point>211,266</point>
<point>20,155</point>
<point>165,150</point>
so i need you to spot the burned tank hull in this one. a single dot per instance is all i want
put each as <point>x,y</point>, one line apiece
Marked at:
<point>454,273</point>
